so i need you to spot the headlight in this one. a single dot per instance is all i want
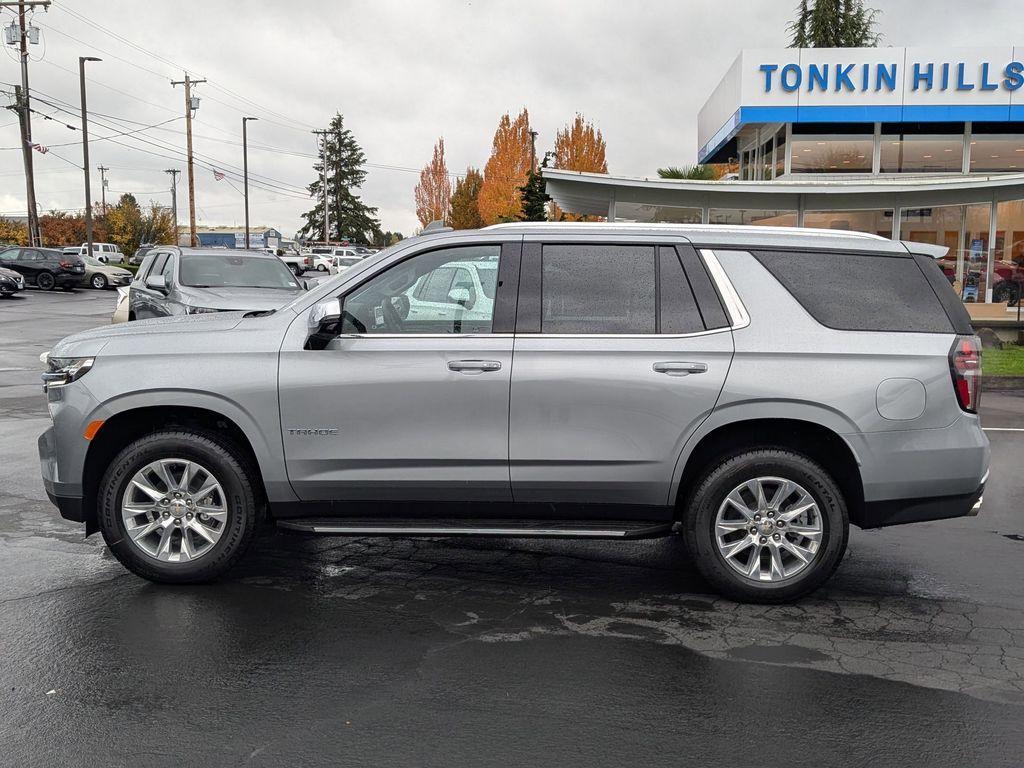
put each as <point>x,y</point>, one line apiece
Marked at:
<point>64,370</point>
<point>199,310</point>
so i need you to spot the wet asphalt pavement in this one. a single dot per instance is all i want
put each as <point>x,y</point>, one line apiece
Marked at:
<point>329,651</point>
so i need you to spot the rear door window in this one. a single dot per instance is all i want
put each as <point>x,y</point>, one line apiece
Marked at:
<point>860,292</point>
<point>603,289</point>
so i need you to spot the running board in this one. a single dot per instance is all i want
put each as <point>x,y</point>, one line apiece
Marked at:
<point>547,529</point>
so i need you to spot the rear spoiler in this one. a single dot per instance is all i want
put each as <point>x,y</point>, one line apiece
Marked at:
<point>926,249</point>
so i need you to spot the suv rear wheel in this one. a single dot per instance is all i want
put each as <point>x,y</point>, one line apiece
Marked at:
<point>45,281</point>
<point>766,525</point>
<point>178,506</point>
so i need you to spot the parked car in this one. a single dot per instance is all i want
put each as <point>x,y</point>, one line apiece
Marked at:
<point>100,275</point>
<point>105,252</point>
<point>190,281</point>
<point>734,386</point>
<point>45,268</point>
<point>322,262</point>
<point>10,282</point>
<point>121,306</point>
<point>296,262</point>
<point>341,263</point>
<point>71,250</point>
<point>140,253</point>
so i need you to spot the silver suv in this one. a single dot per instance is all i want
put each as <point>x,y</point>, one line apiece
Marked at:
<point>753,390</point>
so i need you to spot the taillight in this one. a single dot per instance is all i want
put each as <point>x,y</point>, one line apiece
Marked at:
<point>965,368</point>
<point>66,265</point>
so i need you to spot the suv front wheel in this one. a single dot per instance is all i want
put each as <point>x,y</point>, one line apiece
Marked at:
<point>766,525</point>
<point>178,506</point>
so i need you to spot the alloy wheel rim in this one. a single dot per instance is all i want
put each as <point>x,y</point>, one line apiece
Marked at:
<point>769,529</point>
<point>174,510</point>
<point>97,282</point>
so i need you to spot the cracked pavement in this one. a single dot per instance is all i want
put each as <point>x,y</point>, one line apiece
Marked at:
<point>373,651</point>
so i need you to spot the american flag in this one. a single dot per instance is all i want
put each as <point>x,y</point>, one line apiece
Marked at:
<point>41,149</point>
<point>218,175</point>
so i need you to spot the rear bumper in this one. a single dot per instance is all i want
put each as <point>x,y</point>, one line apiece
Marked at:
<point>63,279</point>
<point>879,514</point>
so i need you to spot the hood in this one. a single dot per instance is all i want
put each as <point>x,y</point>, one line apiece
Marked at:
<point>109,269</point>
<point>9,273</point>
<point>238,298</point>
<point>89,343</point>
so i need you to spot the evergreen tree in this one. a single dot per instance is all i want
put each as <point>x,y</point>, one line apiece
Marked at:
<point>350,217</point>
<point>534,198</point>
<point>833,24</point>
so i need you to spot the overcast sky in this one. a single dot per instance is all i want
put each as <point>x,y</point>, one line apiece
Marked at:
<point>402,72</point>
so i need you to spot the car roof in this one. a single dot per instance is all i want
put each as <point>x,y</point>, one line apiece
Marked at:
<point>248,253</point>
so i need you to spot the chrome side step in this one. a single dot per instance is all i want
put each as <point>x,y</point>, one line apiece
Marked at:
<point>511,529</point>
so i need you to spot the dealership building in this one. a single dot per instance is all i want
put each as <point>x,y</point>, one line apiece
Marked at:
<point>921,144</point>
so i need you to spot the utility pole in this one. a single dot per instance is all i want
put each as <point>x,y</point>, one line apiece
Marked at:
<point>327,216</point>
<point>174,199</point>
<point>245,175</point>
<point>22,36</point>
<point>85,152</point>
<point>103,186</point>
<point>190,105</point>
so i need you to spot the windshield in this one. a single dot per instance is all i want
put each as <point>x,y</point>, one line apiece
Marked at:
<point>209,270</point>
<point>92,262</point>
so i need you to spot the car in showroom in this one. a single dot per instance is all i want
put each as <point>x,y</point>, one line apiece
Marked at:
<point>192,281</point>
<point>100,275</point>
<point>45,268</point>
<point>732,386</point>
<point>10,282</point>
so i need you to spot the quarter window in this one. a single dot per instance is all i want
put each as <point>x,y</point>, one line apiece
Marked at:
<point>436,292</point>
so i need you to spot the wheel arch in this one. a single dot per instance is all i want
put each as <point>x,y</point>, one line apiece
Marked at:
<point>131,423</point>
<point>810,438</point>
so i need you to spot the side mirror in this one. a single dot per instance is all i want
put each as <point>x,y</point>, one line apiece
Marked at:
<point>323,314</point>
<point>157,283</point>
<point>460,296</point>
<point>323,322</point>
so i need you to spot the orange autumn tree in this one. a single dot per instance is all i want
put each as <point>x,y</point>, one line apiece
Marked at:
<point>579,146</point>
<point>500,198</point>
<point>434,190</point>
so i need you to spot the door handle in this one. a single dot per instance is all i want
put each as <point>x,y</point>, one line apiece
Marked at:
<point>474,366</point>
<point>680,369</point>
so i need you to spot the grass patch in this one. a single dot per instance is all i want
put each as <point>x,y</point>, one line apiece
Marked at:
<point>1008,361</point>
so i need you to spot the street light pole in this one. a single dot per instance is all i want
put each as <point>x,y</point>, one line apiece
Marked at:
<point>85,152</point>
<point>245,175</point>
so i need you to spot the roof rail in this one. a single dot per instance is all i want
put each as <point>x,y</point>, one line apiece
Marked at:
<point>435,226</point>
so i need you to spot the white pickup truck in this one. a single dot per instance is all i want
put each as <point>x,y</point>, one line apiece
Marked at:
<point>297,262</point>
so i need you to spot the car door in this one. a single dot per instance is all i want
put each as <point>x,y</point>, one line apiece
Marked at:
<point>143,300</point>
<point>11,259</point>
<point>620,354</point>
<point>401,408</point>
<point>30,262</point>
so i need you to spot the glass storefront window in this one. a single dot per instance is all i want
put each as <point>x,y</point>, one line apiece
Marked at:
<point>877,222</point>
<point>666,214</point>
<point>997,147</point>
<point>780,153</point>
<point>922,147</point>
<point>975,247</point>
<point>1008,259</point>
<point>940,225</point>
<point>767,153</point>
<point>832,148</point>
<point>765,218</point>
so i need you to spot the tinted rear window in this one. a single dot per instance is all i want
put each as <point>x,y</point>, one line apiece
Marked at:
<point>854,292</point>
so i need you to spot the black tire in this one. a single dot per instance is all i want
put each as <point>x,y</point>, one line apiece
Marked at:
<point>45,281</point>
<point>297,270</point>
<point>98,281</point>
<point>226,461</point>
<point>727,474</point>
<point>1006,291</point>
<point>321,268</point>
